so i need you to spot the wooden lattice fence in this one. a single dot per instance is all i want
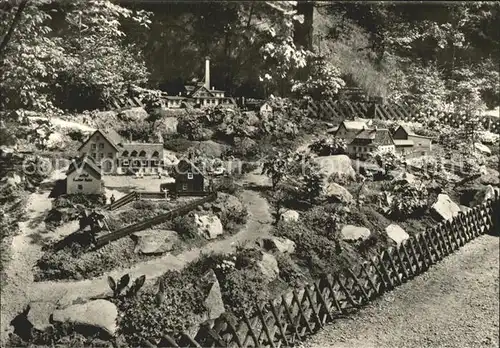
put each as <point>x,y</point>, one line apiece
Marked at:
<point>287,320</point>
<point>339,110</point>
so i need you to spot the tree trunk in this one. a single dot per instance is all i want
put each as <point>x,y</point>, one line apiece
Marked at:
<point>303,32</point>
<point>13,25</point>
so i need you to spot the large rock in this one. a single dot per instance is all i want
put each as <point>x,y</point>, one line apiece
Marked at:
<point>39,314</point>
<point>281,244</point>
<point>445,208</point>
<point>337,192</point>
<point>169,125</point>
<point>133,114</point>
<point>289,216</point>
<point>57,140</point>
<point>210,148</point>
<point>482,148</point>
<point>99,314</point>
<point>354,233</point>
<point>213,302</point>
<point>155,241</point>
<point>483,195</point>
<point>209,226</point>
<point>340,164</point>
<point>268,266</point>
<point>489,176</point>
<point>396,233</point>
<point>251,118</point>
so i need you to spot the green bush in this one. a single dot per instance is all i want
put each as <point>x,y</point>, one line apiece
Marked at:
<point>290,272</point>
<point>180,145</point>
<point>185,226</point>
<point>152,314</point>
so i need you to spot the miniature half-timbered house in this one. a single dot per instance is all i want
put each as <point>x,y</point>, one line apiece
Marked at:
<point>189,178</point>
<point>348,130</point>
<point>84,176</point>
<point>116,155</point>
<point>370,141</point>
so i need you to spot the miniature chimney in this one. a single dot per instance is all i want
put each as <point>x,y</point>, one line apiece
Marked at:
<point>207,73</point>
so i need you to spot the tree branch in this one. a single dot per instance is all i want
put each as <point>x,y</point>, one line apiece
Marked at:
<point>13,25</point>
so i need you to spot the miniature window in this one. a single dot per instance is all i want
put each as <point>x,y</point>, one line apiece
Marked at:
<point>94,155</point>
<point>110,155</point>
<point>101,155</point>
<point>125,163</point>
<point>125,153</point>
<point>133,154</point>
<point>142,154</point>
<point>184,187</point>
<point>101,146</point>
<point>93,146</point>
<point>80,187</point>
<point>155,154</point>
<point>190,175</point>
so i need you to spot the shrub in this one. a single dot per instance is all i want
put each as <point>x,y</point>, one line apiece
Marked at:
<point>144,205</point>
<point>290,272</point>
<point>185,226</point>
<point>329,146</point>
<point>154,313</point>
<point>226,185</point>
<point>89,201</point>
<point>179,145</point>
<point>242,289</point>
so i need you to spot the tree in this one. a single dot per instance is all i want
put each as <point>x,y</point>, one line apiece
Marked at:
<point>68,54</point>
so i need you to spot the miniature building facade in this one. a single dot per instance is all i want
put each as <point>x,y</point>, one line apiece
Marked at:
<point>115,155</point>
<point>188,178</point>
<point>84,176</point>
<point>370,141</point>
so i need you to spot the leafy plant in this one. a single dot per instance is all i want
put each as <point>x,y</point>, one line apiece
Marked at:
<point>123,283</point>
<point>329,146</point>
<point>117,288</point>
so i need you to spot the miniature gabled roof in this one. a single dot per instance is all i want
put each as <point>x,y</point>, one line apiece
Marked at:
<point>184,166</point>
<point>111,136</point>
<point>373,136</point>
<point>148,148</point>
<point>354,125</point>
<point>407,130</point>
<point>84,162</point>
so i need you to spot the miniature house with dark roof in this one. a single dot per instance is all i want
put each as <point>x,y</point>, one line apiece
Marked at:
<point>84,176</point>
<point>407,142</point>
<point>189,179</point>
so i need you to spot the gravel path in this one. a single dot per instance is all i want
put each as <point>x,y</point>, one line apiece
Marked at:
<point>454,304</point>
<point>21,290</point>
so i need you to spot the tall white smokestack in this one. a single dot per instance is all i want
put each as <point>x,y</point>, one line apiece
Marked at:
<point>207,73</point>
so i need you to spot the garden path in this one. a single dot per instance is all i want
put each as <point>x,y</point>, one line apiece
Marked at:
<point>21,290</point>
<point>454,304</point>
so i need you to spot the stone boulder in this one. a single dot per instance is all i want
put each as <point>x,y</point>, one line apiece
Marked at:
<point>396,233</point>
<point>444,208</point>
<point>57,140</point>
<point>489,176</point>
<point>209,226</point>
<point>100,314</point>
<point>352,233</point>
<point>268,266</point>
<point>155,241</point>
<point>169,125</point>
<point>39,314</point>
<point>213,301</point>
<point>485,150</point>
<point>281,244</point>
<point>290,216</point>
<point>133,114</point>
<point>210,148</point>
<point>339,164</point>
<point>483,195</point>
<point>336,192</point>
